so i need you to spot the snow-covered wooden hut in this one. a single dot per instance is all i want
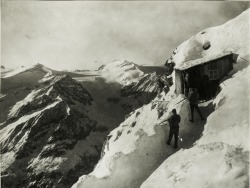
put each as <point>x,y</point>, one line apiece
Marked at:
<point>204,73</point>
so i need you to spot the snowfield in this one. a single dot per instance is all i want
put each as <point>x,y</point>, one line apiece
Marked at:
<point>136,154</point>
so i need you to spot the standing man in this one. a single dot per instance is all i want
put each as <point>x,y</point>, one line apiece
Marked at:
<point>193,98</point>
<point>174,121</point>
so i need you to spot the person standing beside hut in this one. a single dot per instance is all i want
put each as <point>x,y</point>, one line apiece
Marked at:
<point>193,98</point>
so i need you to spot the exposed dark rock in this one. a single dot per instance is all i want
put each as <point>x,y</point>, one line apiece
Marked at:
<point>133,124</point>
<point>206,45</point>
<point>71,89</point>
<point>101,67</point>
<point>84,167</point>
<point>119,133</point>
<point>137,114</point>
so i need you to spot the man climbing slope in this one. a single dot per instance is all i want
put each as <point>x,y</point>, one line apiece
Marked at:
<point>174,121</point>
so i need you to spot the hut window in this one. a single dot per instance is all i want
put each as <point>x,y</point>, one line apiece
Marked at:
<point>213,74</point>
<point>212,66</point>
<point>213,71</point>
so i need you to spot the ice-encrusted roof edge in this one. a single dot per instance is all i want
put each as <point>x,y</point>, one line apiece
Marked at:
<point>199,61</point>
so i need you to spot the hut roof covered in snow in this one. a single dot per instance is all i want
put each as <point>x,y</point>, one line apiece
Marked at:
<point>214,43</point>
<point>199,61</point>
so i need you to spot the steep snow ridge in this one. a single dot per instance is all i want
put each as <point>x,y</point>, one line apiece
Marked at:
<point>123,72</point>
<point>13,72</point>
<point>137,146</point>
<point>233,106</point>
<point>15,109</point>
<point>46,78</point>
<point>222,151</point>
<point>220,157</point>
<point>232,36</point>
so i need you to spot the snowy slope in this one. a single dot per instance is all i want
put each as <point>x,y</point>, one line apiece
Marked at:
<point>219,157</point>
<point>123,72</point>
<point>138,145</point>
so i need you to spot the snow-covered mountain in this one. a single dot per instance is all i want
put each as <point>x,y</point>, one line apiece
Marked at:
<point>48,139</point>
<point>17,83</point>
<point>121,71</point>
<point>36,67</point>
<point>53,127</point>
<point>214,153</point>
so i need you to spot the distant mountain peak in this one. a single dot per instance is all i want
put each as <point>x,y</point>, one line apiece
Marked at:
<point>122,71</point>
<point>22,69</point>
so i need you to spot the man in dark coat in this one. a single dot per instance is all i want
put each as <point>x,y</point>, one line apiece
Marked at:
<point>174,121</point>
<point>193,98</point>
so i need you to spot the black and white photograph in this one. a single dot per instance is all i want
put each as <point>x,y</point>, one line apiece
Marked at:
<point>125,94</point>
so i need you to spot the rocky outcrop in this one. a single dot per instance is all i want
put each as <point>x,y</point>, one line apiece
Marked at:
<point>147,84</point>
<point>146,88</point>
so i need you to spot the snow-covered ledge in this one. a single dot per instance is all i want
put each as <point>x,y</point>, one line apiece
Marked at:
<point>221,157</point>
<point>138,146</point>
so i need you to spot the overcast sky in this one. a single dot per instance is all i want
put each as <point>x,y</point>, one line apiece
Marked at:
<point>85,35</point>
